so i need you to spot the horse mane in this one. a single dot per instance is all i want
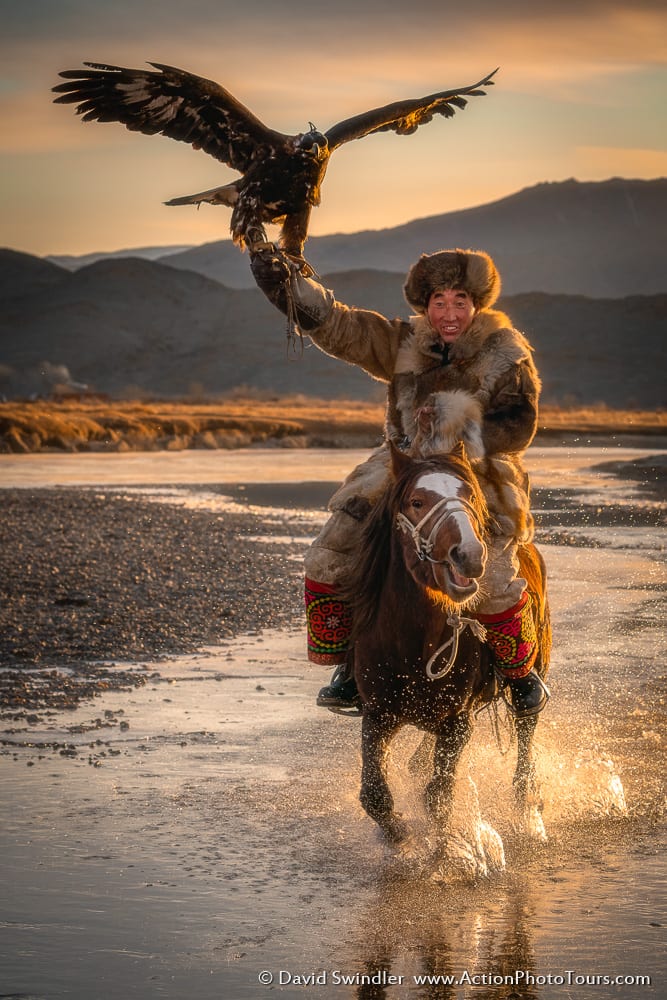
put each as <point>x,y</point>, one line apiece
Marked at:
<point>369,573</point>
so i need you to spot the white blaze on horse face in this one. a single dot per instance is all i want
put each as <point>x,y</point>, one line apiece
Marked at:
<point>446,485</point>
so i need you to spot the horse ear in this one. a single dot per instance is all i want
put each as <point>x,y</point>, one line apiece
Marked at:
<point>399,460</point>
<point>459,450</point>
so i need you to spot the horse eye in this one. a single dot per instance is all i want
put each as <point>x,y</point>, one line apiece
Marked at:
<point>417,504</point>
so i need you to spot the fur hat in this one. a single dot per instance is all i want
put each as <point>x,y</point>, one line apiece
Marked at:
<point>471,270</point>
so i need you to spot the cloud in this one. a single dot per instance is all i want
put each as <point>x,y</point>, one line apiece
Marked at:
<point>125,18</point>
<point>279,58</point>
<point>282,36</point>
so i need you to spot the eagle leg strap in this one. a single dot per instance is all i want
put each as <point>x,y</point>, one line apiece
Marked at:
<point>292,329</point>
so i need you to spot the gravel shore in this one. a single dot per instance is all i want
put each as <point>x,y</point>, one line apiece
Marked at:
<point>90,576</point>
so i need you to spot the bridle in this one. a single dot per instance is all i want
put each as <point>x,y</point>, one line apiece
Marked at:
<point>449,506</point>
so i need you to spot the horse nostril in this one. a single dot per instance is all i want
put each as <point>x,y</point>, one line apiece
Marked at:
<point>467,559</point>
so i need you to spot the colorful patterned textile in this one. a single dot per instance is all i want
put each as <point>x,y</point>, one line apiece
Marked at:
<point>329,622</point>
<point>512,636</point>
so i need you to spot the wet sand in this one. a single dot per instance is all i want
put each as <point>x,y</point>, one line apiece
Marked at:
<point>184,835</point>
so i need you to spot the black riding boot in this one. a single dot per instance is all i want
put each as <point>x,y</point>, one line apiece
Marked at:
<point>529,695</point>
<point>341,693</point>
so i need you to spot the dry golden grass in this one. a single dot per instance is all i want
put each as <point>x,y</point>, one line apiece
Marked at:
<point>89,424</point>
<point>601,420</point>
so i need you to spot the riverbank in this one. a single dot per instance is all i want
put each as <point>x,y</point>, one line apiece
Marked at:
<point>96,425</point>
<point>191,825</point>
<point>88,577</point>
<point>105,569</point>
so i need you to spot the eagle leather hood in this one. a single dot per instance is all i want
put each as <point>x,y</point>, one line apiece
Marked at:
<point>472,271</point>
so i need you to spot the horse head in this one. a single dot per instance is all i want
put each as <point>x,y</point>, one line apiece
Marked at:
<point>441,515</point>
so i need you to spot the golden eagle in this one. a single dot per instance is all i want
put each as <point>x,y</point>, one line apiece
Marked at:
<point>281,174</point>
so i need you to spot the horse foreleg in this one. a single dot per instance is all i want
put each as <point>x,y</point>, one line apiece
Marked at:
<point>422,759</point>
<point>527,795</point>
<point>449,745</point>
<point>375,795</point>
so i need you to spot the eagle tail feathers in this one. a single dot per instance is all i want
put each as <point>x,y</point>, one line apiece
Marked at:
<point>226,195</point>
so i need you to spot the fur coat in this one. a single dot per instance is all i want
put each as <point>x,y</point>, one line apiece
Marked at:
<point>491,362</point>
<point>482,389</point>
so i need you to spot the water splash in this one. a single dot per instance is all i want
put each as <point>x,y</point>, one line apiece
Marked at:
<point>585,787</point>
<point>469,848</point>
<point>532,825</point>
<point>473,849</point>
<point>485,835</point>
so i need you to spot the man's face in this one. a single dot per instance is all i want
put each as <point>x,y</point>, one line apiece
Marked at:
<point>450,313</point>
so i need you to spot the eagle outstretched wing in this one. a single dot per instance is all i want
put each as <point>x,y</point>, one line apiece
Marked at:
<point>169,102</point>
<point>405,117</point>
<point>281,175</point>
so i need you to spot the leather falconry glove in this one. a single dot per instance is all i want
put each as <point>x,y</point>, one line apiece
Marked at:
<point>305,302</point>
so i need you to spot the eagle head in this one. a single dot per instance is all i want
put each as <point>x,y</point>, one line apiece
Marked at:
<point>314,143</point>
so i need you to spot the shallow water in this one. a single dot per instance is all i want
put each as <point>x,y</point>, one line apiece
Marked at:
<point>184,837</point>
<point>548,466</point>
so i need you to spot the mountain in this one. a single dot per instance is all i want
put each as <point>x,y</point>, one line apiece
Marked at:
<point>605,240</point>
<point>602,239</point>
<point>22,275</point>
<point>73,263</point>
<point>132,326</point>
<point>118,324</point>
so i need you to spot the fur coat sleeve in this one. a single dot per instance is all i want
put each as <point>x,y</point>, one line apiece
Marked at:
<point>510,416</point>
<point>361,337</point>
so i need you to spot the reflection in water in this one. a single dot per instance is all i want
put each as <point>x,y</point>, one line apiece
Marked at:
<point>530,933</point>
<point>441,927</point>
<point>439,939</point>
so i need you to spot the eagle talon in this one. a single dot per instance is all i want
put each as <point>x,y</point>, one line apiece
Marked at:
<point>262,247</point>
<point>257,240</point>
<point>302,264</point>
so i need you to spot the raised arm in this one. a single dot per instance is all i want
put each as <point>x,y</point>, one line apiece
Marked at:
<point>358,336</point>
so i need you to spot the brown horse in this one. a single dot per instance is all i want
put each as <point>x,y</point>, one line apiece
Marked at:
<point>418,659</point>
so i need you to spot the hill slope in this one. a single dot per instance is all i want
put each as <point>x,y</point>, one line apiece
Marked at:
<point>599,239</point>
<point>141,327</point>
<point>602,239</point>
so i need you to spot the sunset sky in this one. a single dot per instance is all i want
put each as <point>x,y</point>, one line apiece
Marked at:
<point>581,92</point>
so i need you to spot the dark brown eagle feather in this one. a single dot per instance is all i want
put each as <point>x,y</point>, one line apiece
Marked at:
<point>281,174</point>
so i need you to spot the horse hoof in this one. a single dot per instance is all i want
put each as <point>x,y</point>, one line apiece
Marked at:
<point>532,825</point>
<point>396,831</point>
